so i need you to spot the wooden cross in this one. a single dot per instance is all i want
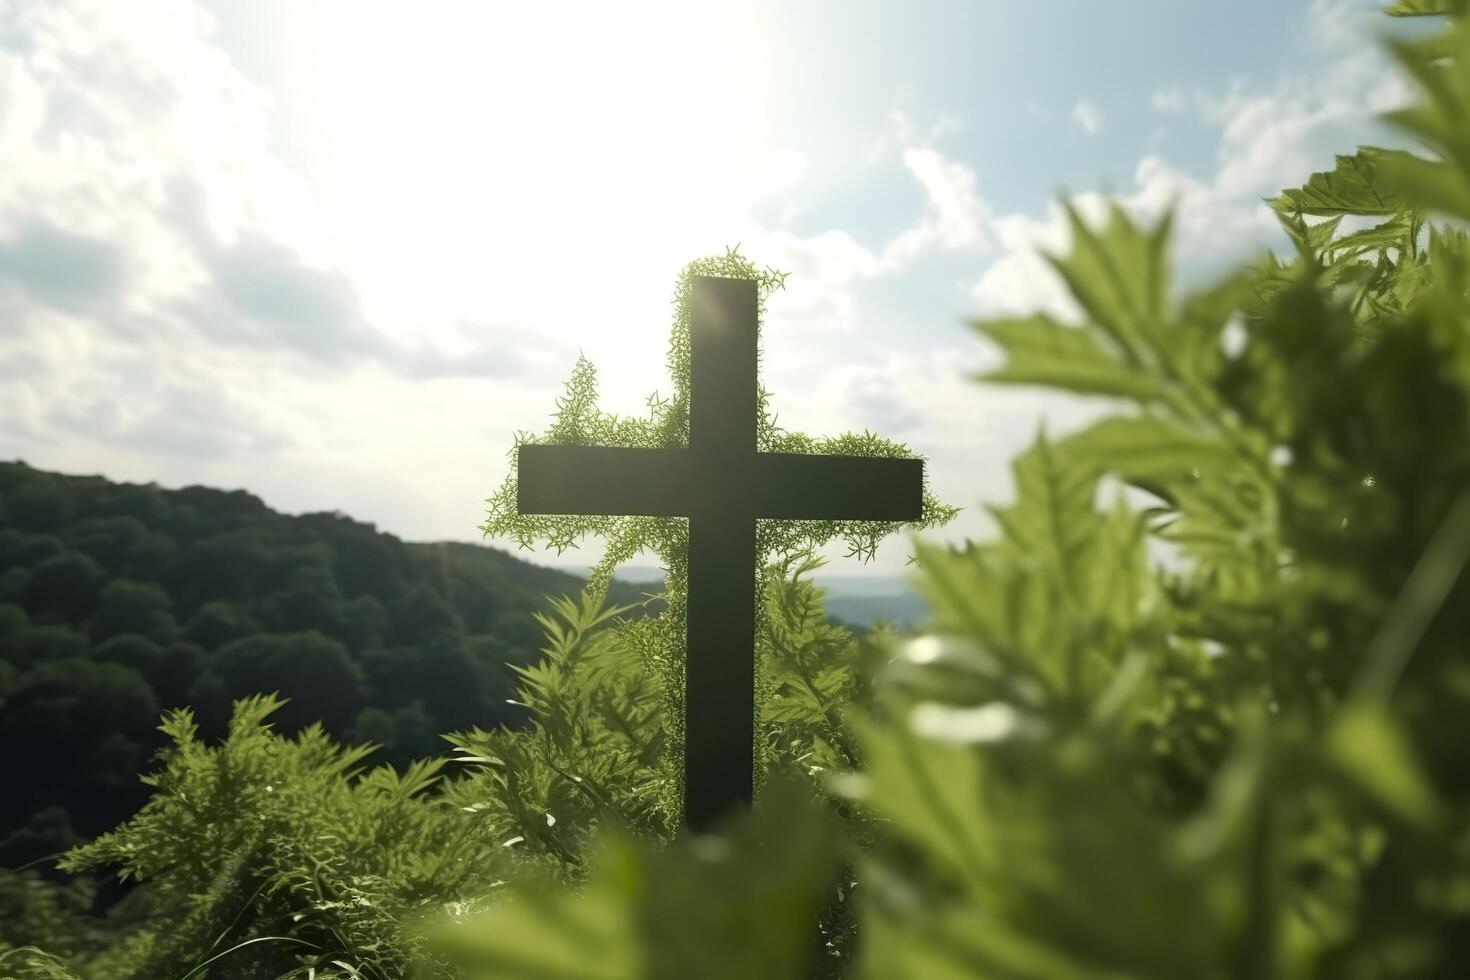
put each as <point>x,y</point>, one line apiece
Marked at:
<point>721,484</point>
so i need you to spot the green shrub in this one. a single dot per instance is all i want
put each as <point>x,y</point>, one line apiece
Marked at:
<point>280,857</point>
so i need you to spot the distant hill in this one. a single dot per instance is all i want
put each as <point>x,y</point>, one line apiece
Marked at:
<point>905,612</point>
<point>120,600</point>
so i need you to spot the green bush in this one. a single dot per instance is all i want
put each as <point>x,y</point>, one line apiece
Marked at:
<point>282,857</point>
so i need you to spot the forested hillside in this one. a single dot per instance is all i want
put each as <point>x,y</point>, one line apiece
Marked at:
<point>119,601</point>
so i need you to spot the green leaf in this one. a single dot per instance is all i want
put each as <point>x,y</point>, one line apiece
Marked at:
<point>31,963</point>
<point>1053,519</point>
<point>1371,747</point>
<point>1150,449</point>
<point>542,931</point>
<point>1440,119</point>
<point>1396,232</point>
<point>741,903</point>
<point>1309,240</point>
<point>1120,278</point>
<point>958,944</point>
<point>1041,351</point>
<point>1354,186</point>
<point>931,791</point>
<point>1434,186</point>
<point>1118,582</point>
<point>1422,8</point>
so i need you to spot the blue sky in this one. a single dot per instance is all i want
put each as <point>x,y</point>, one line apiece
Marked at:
<point>337,253</point>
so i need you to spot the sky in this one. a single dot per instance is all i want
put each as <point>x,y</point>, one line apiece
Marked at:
<point>338,253</point>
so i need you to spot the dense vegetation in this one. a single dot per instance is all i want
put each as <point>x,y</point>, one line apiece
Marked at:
<point>1244,762</point>
<point>118,601</point>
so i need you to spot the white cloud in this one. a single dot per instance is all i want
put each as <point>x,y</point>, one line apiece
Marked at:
<point>102,109</point>
<point>1172,99</point>
<point>824,269</point>
<point>928,401</point>
<point>1338,25</point>
<point>1269,139</point>
<point>130,138</point>
<point>171,291</point>
<point>1022,280</point>
<point>1273,138</point>
<point>955,214</point>
<point>923,398</point>
<point>827,266</point>
<point>1088,116</point>
<point>902,133</point>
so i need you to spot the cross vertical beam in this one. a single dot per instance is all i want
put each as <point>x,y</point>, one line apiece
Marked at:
<point>719,683</point>
<point>719,680</point>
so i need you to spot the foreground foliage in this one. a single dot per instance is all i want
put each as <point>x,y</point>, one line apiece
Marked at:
<point>1244,760</point>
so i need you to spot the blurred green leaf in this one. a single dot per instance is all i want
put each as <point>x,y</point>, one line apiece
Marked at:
<point>1440,119</point>
<point>1422,8</point>
<point>1119,276</point>
<point>736,904</point>
<point>1368,744</point>
<point>1041,351</point>
<point>1149,449</point>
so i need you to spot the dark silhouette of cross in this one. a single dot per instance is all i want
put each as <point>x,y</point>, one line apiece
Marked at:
<point>721,484</point>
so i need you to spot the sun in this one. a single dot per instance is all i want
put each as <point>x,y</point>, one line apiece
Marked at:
<point>487,153</point>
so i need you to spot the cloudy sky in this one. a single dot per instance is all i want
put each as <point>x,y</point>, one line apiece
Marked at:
<point>337,253</point>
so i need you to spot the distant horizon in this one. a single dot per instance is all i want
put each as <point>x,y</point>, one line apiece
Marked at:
<point>638,573</point>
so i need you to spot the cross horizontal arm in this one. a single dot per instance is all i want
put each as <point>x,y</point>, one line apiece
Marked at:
<point>796,486</point>
<point>602,480</point>
<point>675,482</point>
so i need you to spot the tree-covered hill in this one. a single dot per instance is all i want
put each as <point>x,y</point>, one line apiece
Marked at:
<point>119,601</point>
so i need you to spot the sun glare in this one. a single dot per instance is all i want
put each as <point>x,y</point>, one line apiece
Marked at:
<point>492,151</point>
